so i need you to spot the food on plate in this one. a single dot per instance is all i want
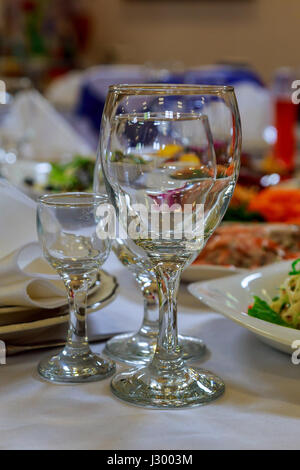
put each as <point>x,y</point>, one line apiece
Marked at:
<point>274,204</point>
<point>238,210</point>
<point>186,156</point>
<point>189,158</point>
<point>251,245</point>
<point>76,175</point>
<point>277,205</point>
<point>191,173</point>
<point>120,157</point>
<point>240,213</point>
<point>169,151</point>
<point>284,309</point>
<point>242,195</point>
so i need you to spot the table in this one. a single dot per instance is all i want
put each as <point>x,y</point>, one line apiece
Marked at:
<point>260,408</point>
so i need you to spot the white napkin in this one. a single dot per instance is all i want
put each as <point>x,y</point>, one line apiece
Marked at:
<point>17,218</point>
<point>255,105</point>
<point>47,135</point>
<point>63,92</point>
<point>26,279</point>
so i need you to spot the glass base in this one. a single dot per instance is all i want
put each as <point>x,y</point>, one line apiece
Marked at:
<point>186,387</point>
<point>138,349</point>
<point>75,368</point>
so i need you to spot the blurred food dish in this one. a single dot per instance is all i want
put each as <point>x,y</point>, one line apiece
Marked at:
<point>236,247</point>
<point>36,178</point>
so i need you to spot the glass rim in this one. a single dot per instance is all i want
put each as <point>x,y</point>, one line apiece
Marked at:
<point>166,89</point>
<point>160,116</point>
<point>87,199</point>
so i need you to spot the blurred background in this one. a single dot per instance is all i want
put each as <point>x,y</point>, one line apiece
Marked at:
<point>58,57</point>
<point>57,35</point>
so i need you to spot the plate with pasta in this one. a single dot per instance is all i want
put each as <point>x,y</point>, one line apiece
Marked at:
<point>266,301</point>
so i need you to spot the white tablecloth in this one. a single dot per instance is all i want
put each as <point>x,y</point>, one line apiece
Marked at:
<point>260,408</point>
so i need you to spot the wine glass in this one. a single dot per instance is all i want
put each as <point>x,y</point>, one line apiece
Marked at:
<point>170,192</point>
<point>71,232</point>
<point>137,348</point>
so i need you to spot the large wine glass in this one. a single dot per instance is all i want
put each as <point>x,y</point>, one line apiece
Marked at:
<point>170,192</point>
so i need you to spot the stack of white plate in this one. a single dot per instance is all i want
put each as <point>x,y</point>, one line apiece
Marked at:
<point>24,326</point>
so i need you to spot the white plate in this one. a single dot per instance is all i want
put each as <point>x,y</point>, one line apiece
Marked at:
<point>34,328</point>
<point>17,172</point>
<point>203,272</point>
<point>231,296</point>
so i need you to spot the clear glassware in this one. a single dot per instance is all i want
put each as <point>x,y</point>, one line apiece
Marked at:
<point>68,227</point>
<point>158,156</point>
<point>138,348</point>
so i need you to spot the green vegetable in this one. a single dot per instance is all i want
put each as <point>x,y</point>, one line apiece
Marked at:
<point>189,174</point>
<point>119,156</point>
<point>76,175</point>
<point>262,310</point>
<point>294,271</point>
<point>241,214</point>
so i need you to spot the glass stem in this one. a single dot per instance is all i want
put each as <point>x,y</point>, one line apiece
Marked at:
<point>168,352</point>
<point>77,339</point>
<point>149,326</point>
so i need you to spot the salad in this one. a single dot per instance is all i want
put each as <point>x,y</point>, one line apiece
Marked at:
<point>284,309</point>
<point>76,175</point>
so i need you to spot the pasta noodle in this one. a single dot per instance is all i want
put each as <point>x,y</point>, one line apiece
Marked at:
<point>287,303</point>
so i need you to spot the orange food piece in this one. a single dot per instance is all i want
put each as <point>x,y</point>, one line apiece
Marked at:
<point>278,205</point>
<point>242,195</point>
<point>271,165</point>
<point>223,170</point>
<point>169,150</point>
<point>190,158</point>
